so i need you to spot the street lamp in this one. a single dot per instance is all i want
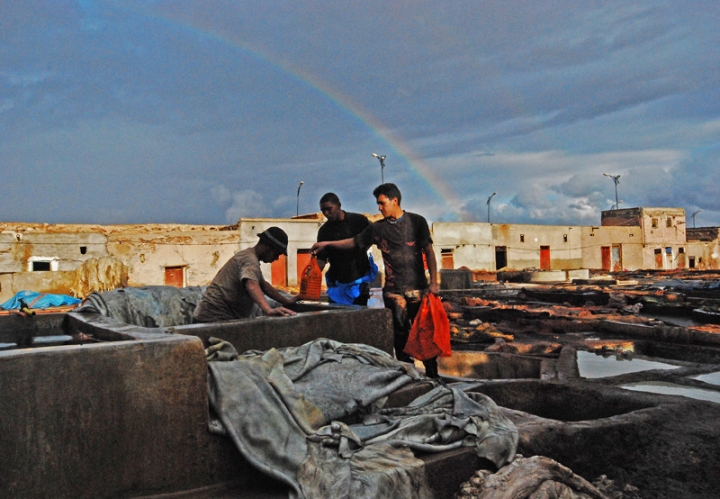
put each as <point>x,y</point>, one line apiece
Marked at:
<point>616,179</point>
<point>693,217</point>
<point>488,203</point>
<point>381,159</point>
<point>297,209</point>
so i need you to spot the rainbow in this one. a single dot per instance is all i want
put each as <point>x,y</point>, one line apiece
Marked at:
<point>437,185</point>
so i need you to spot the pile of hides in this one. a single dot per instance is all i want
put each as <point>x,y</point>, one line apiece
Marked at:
<point>149,306</point>
<point>33,299</point>
<point>537,477</point>
<point>312,417</point>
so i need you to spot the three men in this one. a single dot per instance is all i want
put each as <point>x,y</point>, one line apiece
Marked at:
<point>405,243</point>
<point>350,272</point>
<point>238,290</point>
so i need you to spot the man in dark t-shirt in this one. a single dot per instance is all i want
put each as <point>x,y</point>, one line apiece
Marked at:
<point>349,276</point>
<point>403,238</point>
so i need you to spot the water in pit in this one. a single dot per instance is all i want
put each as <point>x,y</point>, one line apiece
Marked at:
<point>664,388</point>
<point>711,378</point>
<point>592,365</point>
<point>49,338</point>
<point>480,365</point>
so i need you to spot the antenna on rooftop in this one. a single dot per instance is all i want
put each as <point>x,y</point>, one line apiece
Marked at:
<point>693,217</point>
<point>381,159</point>
<point>616,179</point>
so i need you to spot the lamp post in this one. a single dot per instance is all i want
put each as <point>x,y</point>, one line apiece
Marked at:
<point>381,159</point>
<point>488,203</point>
<point>693,217</point>
<point>616,179</point>
<point>297,209</point>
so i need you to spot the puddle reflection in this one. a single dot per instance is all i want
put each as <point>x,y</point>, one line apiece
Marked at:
<point>664,388</point>
<point>711,378</point>
<point>592,365</point>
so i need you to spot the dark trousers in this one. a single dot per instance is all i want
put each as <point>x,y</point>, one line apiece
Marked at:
<point>404,308</point>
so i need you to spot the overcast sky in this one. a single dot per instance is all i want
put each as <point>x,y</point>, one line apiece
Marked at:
<point>204,111</point>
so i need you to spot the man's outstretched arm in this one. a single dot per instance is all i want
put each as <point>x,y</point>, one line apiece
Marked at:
<point>342,244</point>
<point>258,296</point>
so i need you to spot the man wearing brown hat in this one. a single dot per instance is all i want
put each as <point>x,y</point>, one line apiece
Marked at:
<point>239,289</point>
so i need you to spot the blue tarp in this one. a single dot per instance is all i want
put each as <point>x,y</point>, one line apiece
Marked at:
<point>33,299</point>
<point>345,294</point>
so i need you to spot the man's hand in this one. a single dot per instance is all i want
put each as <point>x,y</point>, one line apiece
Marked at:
<point>343,244</point>
<point>281,312</point>
<point>291,300</point>
<point>317,247</point>
<point>434,288</point>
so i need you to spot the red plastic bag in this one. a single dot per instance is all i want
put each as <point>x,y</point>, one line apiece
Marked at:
<point>430,333</point>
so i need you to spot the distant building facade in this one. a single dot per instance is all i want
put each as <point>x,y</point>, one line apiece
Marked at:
<point>78,259</point>
<point>628,239</point>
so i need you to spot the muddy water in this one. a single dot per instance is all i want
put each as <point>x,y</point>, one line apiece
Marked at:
<point>479,365</point>
<point>592,365</point>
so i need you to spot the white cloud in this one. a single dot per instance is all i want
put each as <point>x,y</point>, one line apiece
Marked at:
<point>245,204</point>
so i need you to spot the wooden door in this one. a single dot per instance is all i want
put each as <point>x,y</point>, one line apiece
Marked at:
<point>544,257</point>
<point>605,257</point>
<point>659,260</point>
<point>175,276</point>
<point>500,257</point>
<point>278,270</point>
<point>447,259</point>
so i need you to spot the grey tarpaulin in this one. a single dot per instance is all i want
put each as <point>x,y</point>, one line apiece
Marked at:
<point>282,409</point>
<point>149,306</point>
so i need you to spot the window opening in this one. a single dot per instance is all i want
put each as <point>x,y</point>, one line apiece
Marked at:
<point>40,266</point>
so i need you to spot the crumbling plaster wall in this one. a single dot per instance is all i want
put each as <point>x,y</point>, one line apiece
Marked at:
<point>523,244</point>
<point>64,248</point>
<point>471,244</point>
<point>706,254</point>
<point>629,238</point>
<point>704,247</point>
<point>669,228</point>
<point>146,250</point>
<point>69,249</point>
<point>199,250</point>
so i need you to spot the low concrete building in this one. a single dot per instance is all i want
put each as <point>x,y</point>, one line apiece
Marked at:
<point>629,239</point>
<point>464,245</point>
<point>662,233</point>
<point>703,247</point>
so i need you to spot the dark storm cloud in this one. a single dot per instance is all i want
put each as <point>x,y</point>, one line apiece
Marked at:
<point>218,109</point>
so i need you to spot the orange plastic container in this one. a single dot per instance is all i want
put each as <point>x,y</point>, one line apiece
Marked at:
<point>311,281</point>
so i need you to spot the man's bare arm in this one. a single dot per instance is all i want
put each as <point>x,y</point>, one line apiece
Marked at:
<point>432,267</point>
<point>276,295</point>
<point>257,294</point>
<point>342,244</point>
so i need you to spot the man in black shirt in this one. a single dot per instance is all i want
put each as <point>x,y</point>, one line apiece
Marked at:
<point>350,273</point>
<point>403,239</point>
